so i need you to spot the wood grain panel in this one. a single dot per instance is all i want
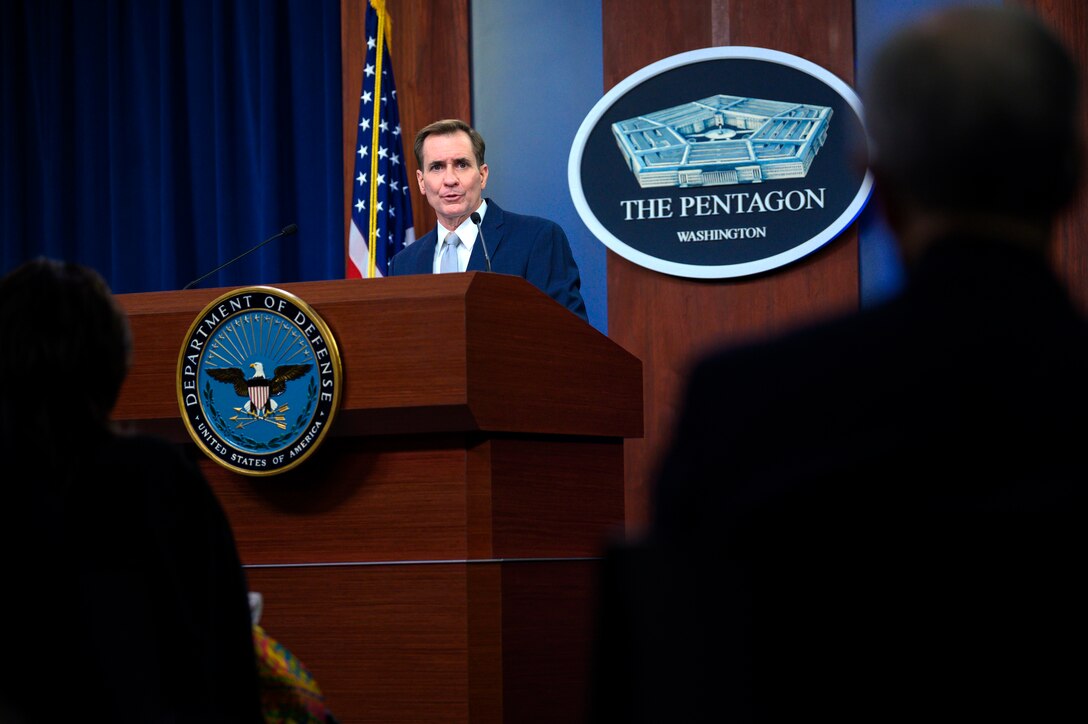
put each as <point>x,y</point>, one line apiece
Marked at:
<point>356,499</point>
<point>561,497</point>
<point>486,644</point>
<point>385,644</point>
<point>431,497</point>
<point>821,31</point>
<point>1069,18</point>
<point>524,343</point>
<point>547,641</point>
<point>438,643</point>
<point>668,321</point>
<point>629,43</point>
<point>430,54</point>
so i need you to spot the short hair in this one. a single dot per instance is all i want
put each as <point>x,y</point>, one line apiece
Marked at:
<point>448,127</point>
<point>65,346</point>
<point>975,110</point>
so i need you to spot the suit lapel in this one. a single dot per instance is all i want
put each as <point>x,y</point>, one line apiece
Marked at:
<point>492,231</point>
<point>424,261</point>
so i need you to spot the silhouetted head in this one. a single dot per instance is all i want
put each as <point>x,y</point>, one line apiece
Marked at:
<point>65,348</point>
<point>972,119</point>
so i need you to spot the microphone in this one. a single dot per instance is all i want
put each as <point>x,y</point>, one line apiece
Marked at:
<point>286,231</point>
<point>475,218</point>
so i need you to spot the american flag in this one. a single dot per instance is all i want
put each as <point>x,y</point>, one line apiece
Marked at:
<point>381,212</point>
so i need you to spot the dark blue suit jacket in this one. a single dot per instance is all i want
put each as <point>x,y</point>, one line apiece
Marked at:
<point>878,512</point>
<point>530,247</point>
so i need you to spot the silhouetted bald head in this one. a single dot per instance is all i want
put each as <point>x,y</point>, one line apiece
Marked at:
<point>974,112</point>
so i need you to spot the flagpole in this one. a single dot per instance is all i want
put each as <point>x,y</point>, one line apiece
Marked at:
<point>383,18</point>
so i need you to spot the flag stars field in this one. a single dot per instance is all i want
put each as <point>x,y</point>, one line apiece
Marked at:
<point>381,216</point>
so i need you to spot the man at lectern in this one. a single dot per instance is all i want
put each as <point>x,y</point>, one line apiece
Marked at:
<point>881,518</point>
<point>475,234</point>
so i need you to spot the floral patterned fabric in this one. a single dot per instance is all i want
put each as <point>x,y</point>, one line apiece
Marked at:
<point>289,693</point>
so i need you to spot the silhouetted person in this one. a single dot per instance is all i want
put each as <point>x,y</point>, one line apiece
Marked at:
<point>881,518</point>
<point>123,599</point>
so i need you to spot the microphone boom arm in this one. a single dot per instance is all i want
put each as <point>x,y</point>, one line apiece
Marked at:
<point>285,231</point>
<point>475,218</point>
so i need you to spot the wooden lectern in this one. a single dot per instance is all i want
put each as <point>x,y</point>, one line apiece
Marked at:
<point>435,559</point>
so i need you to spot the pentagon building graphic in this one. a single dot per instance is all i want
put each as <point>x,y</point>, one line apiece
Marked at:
<point>722,140</point>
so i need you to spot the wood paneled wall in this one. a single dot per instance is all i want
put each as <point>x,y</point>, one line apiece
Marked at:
<point>664,320</point>
<point>1070,19</point>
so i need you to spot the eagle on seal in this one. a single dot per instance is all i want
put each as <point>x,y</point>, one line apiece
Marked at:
<point>259,389</point>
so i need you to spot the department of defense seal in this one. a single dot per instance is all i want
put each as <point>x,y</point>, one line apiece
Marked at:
<point>259,380</point>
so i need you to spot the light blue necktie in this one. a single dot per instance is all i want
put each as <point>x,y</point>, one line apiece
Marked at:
<point>448,263</point>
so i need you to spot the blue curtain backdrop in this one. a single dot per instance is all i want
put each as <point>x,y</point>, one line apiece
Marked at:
<point>157,139</point>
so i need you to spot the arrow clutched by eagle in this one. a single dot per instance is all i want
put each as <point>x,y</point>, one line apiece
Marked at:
<point>276,385</point>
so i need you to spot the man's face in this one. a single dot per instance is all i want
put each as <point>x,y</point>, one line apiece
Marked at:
<point>450,178</point>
